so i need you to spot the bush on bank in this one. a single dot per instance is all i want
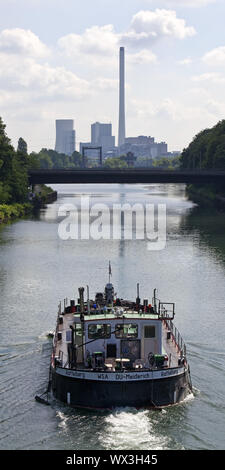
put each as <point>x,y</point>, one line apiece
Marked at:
<point>13,211</point>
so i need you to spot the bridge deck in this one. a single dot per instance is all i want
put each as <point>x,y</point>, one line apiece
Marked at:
<point>130,176</point>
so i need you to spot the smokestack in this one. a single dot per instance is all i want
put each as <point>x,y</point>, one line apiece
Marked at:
<point>121,136</point>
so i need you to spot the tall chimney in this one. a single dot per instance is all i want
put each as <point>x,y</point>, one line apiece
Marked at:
<point>121,135</point>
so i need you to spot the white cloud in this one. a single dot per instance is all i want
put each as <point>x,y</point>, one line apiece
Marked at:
<point>186,61</point>
<point>145,56</point>
<point>212,77</point>
<point>99,43</point>
<point>167,109</point>
<point>215,108</point>
<point>105,84</point>
<point>96,42</point>
<point>22,42</point>
<point>171,111</point>
<point>42,80</point>
<point>150,26</point>
<point>215,57</point>
<point>186,3</point>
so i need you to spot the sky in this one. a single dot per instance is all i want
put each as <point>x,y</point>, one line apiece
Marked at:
<point>59,59</point>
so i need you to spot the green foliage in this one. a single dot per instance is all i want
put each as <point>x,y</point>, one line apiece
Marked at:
<point>207,150</point>
<point>165,162</point>
<point>14,168</point>
<point>115,162</point>
<point>50,159</point>
<point>5,195</point>
<point>22,146</point>
<point>6,154</point>
<point>14,210</point>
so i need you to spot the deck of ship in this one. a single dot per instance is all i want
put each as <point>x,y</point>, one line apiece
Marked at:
<point>169,346</point>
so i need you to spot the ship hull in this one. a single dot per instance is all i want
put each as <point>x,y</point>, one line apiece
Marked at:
<point>112,390</point>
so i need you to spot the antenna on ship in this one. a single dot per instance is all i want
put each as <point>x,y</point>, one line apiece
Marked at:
<point>88,301</point>
<point>110,271</point>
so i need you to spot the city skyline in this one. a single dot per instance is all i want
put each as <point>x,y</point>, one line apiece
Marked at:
<point>62,69</point>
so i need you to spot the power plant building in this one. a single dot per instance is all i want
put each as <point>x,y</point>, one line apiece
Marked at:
<point>101,135</point>
<point>144,146</point>
<point>65,136</point>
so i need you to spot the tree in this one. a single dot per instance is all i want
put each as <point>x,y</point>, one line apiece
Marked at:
<point>6,153</point>
<point>207,149</point>
<point>115,162</point>
<point>13,171</point>
<point>22,146</point>
<point>77,159</point>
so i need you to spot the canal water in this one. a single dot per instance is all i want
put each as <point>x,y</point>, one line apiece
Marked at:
<point>38,269</point>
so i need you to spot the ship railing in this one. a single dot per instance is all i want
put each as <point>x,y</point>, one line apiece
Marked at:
<point>55,335</point>
<point>176,336</point>
<point>166,310</point>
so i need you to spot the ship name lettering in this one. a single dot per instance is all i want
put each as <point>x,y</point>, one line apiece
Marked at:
<point>71,373</point>
<point>120,376</point>
<point>103,376</point>
<point>169,372</point>
<point>137,376</point>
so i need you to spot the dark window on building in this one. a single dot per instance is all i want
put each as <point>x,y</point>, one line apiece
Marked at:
<point>149,331</point>
<point>99,331</point>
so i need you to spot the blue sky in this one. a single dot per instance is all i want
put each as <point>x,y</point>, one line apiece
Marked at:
<point>59,59</point>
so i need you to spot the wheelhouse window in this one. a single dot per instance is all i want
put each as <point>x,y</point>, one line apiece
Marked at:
<point>149,331</point>
<point>126,330</point>
<point>99,331</point>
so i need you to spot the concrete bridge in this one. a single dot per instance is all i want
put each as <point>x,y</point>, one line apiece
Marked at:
<point>129,176</point>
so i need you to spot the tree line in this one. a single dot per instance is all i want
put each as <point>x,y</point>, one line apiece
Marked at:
<point>14,166</point>
<point>207,149</point>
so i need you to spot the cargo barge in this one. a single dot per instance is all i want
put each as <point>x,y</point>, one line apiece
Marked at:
<point>110,352</point>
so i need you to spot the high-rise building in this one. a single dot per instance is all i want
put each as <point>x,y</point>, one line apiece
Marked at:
<point>65,136</point>
<point>122,132</point>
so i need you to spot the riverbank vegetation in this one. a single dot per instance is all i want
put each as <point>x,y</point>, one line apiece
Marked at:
<point>15,198</point>
<point>206,151</point>
<point>9,211</point>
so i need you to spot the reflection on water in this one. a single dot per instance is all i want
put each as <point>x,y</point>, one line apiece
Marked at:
<point>37,269</point>
<point>209,226</point>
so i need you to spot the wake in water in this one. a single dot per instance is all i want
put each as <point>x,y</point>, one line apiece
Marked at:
<point>131,429</point>
<point>128,428</point>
